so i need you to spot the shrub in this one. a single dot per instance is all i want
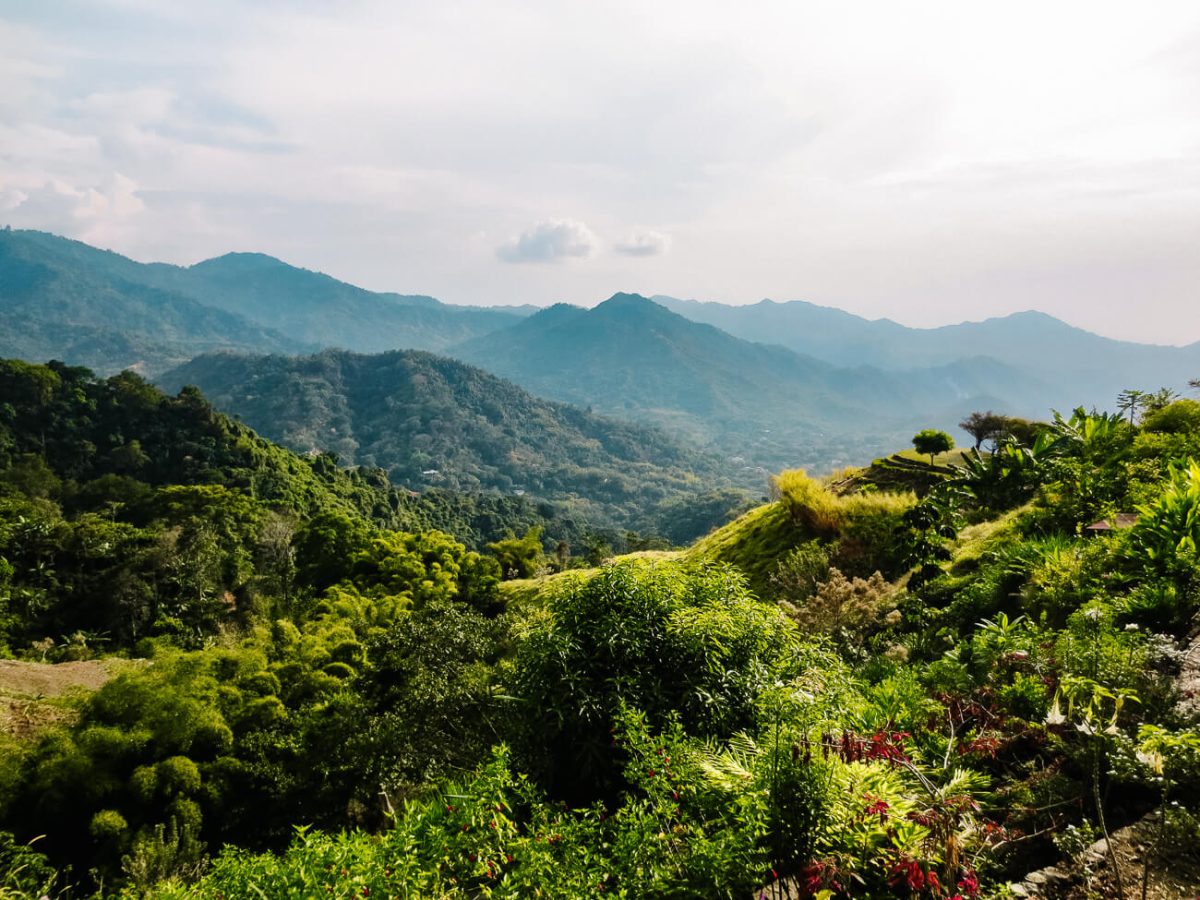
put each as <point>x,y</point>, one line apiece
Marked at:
<point>666,638</point>
<point>1180,417</point>
<point>1167,532</point>
<point>798,574</point>
<point>845,605</point>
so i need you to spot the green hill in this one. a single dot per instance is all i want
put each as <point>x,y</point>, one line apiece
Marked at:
<point>434,422</point>
<point>66,300</point>
<point>763,403</point>
<point>62,299</point>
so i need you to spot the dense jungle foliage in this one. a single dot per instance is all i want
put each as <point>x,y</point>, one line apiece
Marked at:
<point>864,688</point>
<point>128,513</point>
<point>434,422</point>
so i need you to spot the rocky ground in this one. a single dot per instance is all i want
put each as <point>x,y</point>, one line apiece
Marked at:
<point>1173,873</point>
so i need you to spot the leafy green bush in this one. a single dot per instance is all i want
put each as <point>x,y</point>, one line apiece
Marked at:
<point>1167,532</point>
<point>672,834</point>
<point>1180,417</point>
<point>665,638</point>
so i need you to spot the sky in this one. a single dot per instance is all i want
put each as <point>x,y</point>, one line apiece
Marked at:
<point>929,162</point>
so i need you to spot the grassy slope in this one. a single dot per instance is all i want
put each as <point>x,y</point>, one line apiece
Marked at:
<point>754,543</point>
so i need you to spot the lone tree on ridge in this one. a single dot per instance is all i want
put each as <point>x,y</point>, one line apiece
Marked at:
<point>933,442</point>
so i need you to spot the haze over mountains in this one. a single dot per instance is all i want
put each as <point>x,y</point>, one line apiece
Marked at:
<point>767,385</point>
<point>62,298</point>
<point>1076,366</point>
<point>630,356</point>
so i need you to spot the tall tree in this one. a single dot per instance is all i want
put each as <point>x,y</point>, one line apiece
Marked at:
<point>933,442</point>
<point>1130,401</point>
<point>1160,399</point>
<point>982,426</point>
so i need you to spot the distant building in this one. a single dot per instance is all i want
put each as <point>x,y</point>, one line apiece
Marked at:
<point>1119,522</point>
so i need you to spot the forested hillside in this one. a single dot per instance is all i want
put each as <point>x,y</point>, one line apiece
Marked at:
<point>862,688</point>
<point>434,422</point>
<point>129,513</point>
<point>763,403</point>
<point>63,299</point>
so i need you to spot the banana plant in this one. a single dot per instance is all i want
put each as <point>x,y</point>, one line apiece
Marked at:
<point>1169,526</point>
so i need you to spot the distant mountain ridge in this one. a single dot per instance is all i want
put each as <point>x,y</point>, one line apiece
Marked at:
<point>321,311</point>
<point>62,298</point>
<point>1076,366</point>
<point>633,357</point>
<point>772,383</point>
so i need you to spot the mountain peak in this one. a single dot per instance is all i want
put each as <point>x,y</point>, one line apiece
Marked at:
<point>242,262</point>
<point>621,299</point>
<point>634,307</point>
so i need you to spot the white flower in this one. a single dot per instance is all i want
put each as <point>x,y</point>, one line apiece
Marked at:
<point>1055,716</point>
<point>1152,760</point>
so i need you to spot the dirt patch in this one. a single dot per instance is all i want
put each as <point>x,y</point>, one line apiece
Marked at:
<point>1174,870</point>
<point>1173,874</point>
<point>36,696</point>
<point>33,679</point>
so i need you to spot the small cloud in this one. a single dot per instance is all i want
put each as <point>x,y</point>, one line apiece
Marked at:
<point>58,206</point>
<point>644,242</point>
<point>11,198</point>
<point>550,240</point>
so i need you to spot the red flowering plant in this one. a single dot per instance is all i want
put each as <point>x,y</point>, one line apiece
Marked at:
<point>897,825</point>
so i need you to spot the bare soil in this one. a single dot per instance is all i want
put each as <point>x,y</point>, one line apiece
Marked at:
<point>36,696</point>
<point>1174,871</point>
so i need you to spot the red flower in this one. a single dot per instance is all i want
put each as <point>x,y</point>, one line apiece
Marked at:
<point>909,871</point>
<point>878,808</point>
<point>969,883</point>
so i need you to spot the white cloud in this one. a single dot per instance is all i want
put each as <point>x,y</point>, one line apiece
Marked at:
<point>1047,157</point>
<point>11,198</point>
<point>550,240</point>
<point>643,242</point>
<point>62,203</point>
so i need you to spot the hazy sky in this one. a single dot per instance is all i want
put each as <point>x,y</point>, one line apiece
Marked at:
<point>926,161</point>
